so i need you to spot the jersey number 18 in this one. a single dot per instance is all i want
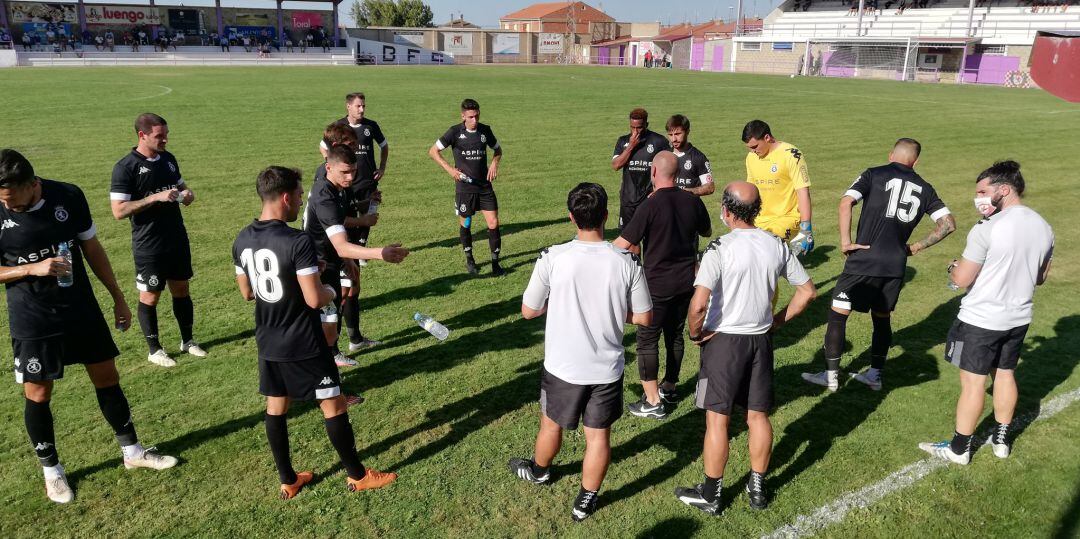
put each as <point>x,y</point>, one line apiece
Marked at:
<point>262,268</point>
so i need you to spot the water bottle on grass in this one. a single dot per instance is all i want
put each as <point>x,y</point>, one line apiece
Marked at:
<point>433,327</point>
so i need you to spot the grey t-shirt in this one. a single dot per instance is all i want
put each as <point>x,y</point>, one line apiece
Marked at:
<point>742,269</point>
<point>588,288</point>
<point>1013,246</point>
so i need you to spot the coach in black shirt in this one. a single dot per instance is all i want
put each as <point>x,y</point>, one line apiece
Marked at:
<point>148,189</point>
<point>634,156</point>
<point>669,221</point>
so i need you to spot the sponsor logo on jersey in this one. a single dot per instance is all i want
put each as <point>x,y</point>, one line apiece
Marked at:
<point>172,167</point>
<point>774,168</point>
<point>61,214</point>
<point>688,165</point>
<point>483,139</point>
<point>367,132</point>
<point>144,170</point>
<point>650,148</point>
<point>33,365</point>
<point>8,223</point>
<point>462,135</point>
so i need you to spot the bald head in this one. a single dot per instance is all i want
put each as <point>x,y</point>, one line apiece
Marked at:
<point>906,152</point>
<point>664,166</point>
<point>742,202</point>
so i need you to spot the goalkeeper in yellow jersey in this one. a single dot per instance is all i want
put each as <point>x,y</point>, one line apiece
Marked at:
<point>778,169</point>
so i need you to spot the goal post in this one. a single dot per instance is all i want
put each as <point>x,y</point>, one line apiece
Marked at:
<point>892,60</point>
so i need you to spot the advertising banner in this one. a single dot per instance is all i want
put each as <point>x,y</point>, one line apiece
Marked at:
<point>185,20</point>
<point>122,15</point>
<point>506,44</point>
<point>406,37</point>
<point>550,43</point>
<point>252,31</point>
<point>457,42</point>
<point>306,20</point>
<point>248,18</point>
<point>23,12</point>
<point>370,52</point>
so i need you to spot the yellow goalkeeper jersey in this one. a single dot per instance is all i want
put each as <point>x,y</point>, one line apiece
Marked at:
<point>777,176</point>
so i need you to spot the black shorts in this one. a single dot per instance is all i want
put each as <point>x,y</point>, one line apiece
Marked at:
<point>862,293</point>
<point>981,351</point>
<point>310,379</point>
<point>467,204</point>
<point>152,271</point>
<point>626,213</point>
<point>85,343</point>
<point>597,406</point>
<point>332,275</point>
<point>736,370</point>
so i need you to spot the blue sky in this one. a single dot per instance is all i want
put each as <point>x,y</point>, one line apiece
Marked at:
<point>487,12</point>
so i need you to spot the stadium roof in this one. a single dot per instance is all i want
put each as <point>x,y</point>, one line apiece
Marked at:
<point>557,11</point>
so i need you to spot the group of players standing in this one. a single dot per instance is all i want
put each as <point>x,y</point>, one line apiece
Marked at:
<point>651,276</point>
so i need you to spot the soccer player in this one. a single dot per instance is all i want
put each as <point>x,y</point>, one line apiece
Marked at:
<point>278,267</point>
<point>326,219</point>
<point>633,156</point>
<point>54,324</point>
<point>469,141</point>
<point>731,319</point>
<point>778,169</point>
<point>1008,254</point>
<point>148,189</point>
<point>670,222</point>
<point>588,288</point>
<point>895,199</point>
<point>694,173</point>
<point>361,223</point>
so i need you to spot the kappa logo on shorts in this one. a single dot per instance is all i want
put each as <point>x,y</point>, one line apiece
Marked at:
<point>326,381</point>
<point>153,281</point>
<point>61,214</point>
<point>774,168</point>
<point>33,365</point>
<point>843,295</point>
<point>688,165</point>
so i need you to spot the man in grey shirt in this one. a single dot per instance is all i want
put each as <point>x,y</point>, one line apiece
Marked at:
<point>731,318</point>
<point>1007,255</point>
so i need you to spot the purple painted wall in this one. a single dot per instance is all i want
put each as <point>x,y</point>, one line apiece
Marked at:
<point>697,56</point>
<point>718,58</point>
<point>633,55</point>
<point>622,54</point>
<point>604,56</point>
<point>985,69</point>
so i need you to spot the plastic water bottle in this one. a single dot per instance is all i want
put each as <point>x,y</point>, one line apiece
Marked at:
<point>433,327</point>
<point>330,309</point>
<point>373,208</point>
<point>465,178</point>
<point>796,244</point>
<point>66,279</point>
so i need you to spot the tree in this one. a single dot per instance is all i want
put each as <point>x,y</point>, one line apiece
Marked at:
<point>411,13</point>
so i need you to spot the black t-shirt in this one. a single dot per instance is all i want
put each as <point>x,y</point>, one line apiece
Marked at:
<point>669,223</point>
<point>273,255</point>
<point>370,136</point>
<point>159,228</point>
<point>37,306</point>
<point>636,184</point>
<point>894,199</point>
<point>694,168</point>
<point>470,154</point>
<point>324,216</point>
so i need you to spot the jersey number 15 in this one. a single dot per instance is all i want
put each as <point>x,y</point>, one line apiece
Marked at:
<point>901,192</point>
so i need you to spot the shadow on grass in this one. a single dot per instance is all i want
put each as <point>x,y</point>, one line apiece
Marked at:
<point>506,229</point>
<point>672,527</point>
<point>1068,526</point>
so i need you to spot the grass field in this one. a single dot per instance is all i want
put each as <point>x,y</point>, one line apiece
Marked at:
<point>446,416</point>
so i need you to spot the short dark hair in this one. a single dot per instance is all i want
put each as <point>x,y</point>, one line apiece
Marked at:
<point>341,154</point>
<point>755,129</point>
<point>470,104</point>
<point>274,181</point>
<point>1007,172</point>
<point>349,98</point>
<point>336,133</point>
<point>678,120</point>
<point>146,122</point>
<point>588,204</point>
<point>15,170</point>
<point>742,210</point>
<point>910,143</point>
<point>640,114</point>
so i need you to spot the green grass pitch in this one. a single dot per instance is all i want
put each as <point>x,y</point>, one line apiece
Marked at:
<point>446,416</point>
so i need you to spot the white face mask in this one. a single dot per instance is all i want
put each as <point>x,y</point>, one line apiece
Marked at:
<point>985,206</point>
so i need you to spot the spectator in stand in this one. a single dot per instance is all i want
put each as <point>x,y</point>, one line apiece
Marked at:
<point>87,37</point>
<point>288,43</point>
<point>178,39</point>
<point>110,41</point>
<point>308,39</point>
<point>99,42</point>
<point>50,35</point>
<point>854,7</point>
<point>27,41</point>
<point>133,40</point>
<point>224,41</point>
<point>327,41</point>
<point>247,43</point>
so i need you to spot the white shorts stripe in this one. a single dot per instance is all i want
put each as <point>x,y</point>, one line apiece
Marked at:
<point>845,305</point>
<point>327,392</point>
<point>328,318</point>
<point>141,287</point>
<point>346,283</point>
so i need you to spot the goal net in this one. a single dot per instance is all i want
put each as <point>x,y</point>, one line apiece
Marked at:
<point>875,60</point>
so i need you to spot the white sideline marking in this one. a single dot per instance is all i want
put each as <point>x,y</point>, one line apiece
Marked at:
<point>834,513</point>
<point>159,94</point>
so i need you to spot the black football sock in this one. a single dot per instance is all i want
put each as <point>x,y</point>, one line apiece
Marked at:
<point>184,311</point>
<point>495,243</point>
<point>114,406</point>
<point>710,488</point>
<point>340,432</point>
<point>350,311</point>
<point>880,342</point>
<point>277,434</point>
<point>960,443</point>
<point>835,335</point>
<point>39,425</point>
<point>537,469</point>
<point>149,325</point>
<point>466,241</point>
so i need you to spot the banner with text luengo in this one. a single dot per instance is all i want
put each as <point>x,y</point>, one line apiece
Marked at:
<point>457,42</point>
<point>550,43</point>
<point>506,44</point>
<point>122,15</point>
